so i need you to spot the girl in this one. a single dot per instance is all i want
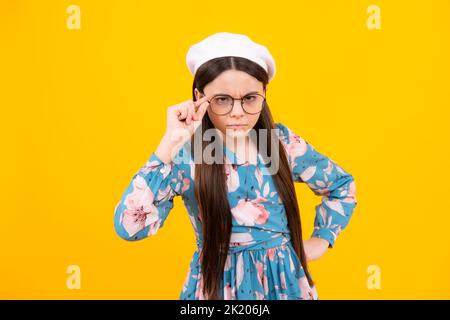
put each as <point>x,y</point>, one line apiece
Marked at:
<point>246,219</point>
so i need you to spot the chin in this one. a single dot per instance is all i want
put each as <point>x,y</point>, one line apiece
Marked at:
<point>240,133</point>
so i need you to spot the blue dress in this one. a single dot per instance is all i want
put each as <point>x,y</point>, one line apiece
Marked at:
<point>261,262</point>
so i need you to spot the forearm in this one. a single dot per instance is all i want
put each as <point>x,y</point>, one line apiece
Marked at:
<point>315,248</point>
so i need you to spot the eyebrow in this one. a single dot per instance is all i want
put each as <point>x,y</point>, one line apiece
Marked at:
<point>226,94</point>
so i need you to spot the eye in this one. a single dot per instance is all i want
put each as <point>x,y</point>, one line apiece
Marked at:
<point>222,99</point>
<point>250,98</point>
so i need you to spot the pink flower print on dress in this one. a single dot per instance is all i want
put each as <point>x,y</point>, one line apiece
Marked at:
<point>250,212</point>
<point>259,295</point>
<point>239,270</point>
<point>283,280</point>
<point>186,185</point>
<point>181,183</point>
<point>271,253</point>
<point>163,193</point>
<point>232,177</point>
<point>199,294</point>
<point>351,193</point>
<point>150,166</point>
<point>227,292</point>
<point>296,147</point>
<point>283,296</point>
<point>306,291</point>
<point>261,275</point>
<point>318,191</point>
<point>140,211</point>
<point>266,284</point>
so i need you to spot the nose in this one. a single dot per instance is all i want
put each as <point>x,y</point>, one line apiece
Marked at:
<point>237,110</point>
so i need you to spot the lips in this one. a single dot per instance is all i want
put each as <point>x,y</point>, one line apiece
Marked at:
<point>236,126</point>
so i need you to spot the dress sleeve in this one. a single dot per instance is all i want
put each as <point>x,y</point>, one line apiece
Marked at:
<point>326,179</point>
<point>148,199</point>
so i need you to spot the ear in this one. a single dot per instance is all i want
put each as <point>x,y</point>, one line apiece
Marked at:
<point>197,94</point>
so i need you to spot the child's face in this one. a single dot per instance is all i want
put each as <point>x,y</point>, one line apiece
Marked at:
<point>236,84</point>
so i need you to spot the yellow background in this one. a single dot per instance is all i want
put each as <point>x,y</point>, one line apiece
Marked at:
<point>82,110</point>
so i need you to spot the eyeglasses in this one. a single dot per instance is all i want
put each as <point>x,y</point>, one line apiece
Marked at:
<point>222,104</point>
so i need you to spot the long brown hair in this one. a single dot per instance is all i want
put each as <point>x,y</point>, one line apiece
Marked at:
<point>211,187</point>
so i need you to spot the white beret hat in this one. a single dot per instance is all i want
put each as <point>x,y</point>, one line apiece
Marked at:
<point>225,44</point>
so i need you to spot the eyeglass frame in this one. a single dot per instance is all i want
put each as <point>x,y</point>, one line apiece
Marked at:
<point>232,104</point>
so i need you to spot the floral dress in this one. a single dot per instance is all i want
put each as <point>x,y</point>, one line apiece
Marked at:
<point>261,262</point>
